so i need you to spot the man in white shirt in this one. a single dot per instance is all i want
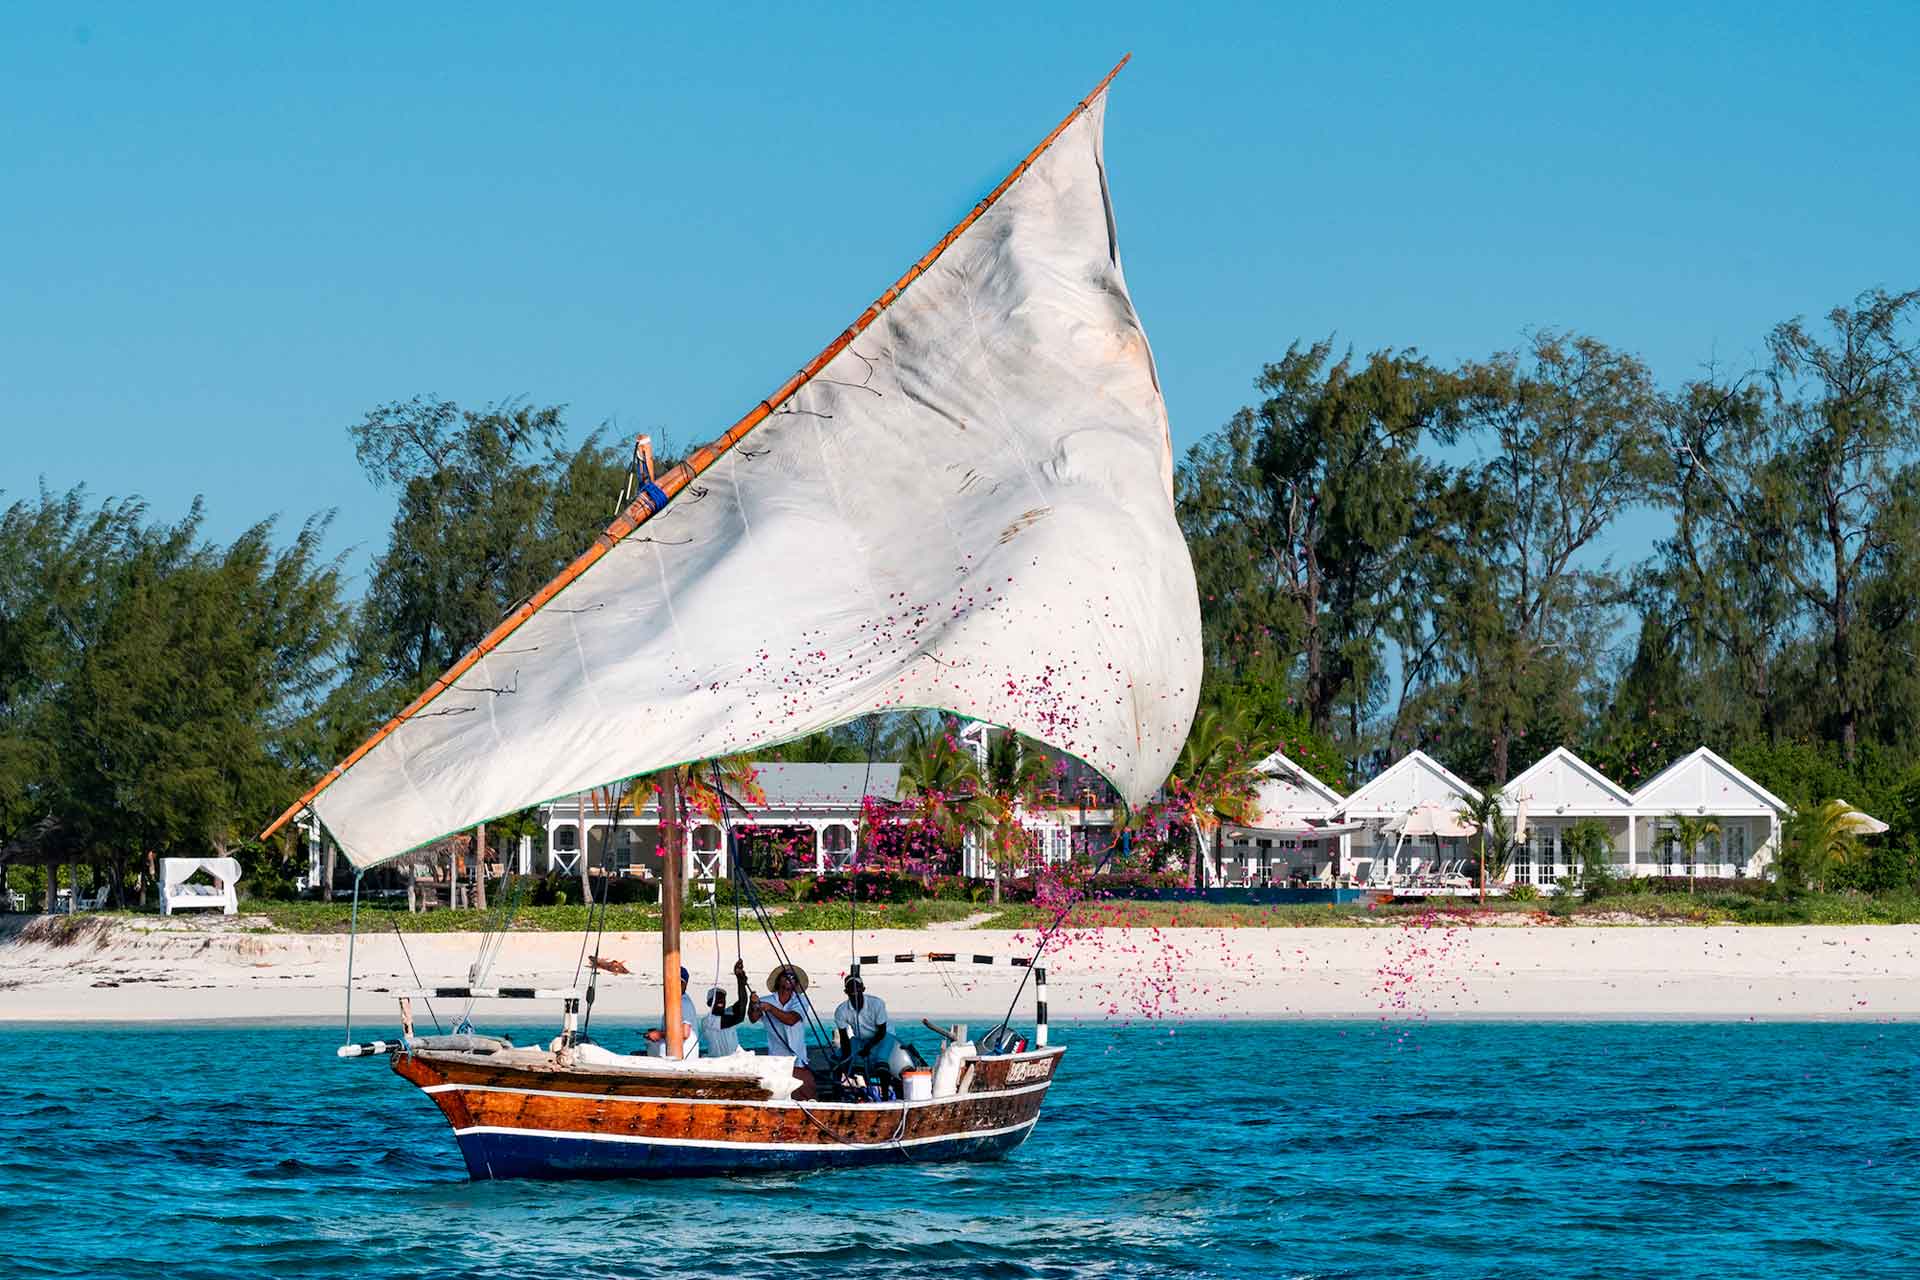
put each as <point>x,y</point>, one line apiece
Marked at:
<point>718,1036</point>
<point>787,1013</point>
<point>861,1021</point>
<point>689,1035</point>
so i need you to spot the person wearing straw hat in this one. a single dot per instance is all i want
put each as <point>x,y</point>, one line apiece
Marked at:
<point>787,1013</point>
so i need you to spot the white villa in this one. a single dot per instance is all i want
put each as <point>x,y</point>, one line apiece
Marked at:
<point>1294,832</point>
<point>815,808</point>
<point>1305,831</point>
<point>1413,782</point>
<point>1308,831</point>
<point>1546,801</point>
<point>1702,784</point>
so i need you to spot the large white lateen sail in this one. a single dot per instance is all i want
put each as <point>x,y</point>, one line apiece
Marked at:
<point>964,504</point>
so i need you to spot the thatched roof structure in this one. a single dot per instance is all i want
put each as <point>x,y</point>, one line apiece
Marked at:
<point>47,842</point>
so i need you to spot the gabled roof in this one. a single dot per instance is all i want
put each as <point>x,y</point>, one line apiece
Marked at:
<point>810,786</point>
<point>1416,778</point>
<point>787,786</point>
<point>1287,793</point>
<point>1561,782</point>
<point>1704,783</point>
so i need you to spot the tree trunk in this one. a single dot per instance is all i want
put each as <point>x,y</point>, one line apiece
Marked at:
<point>479,901</point>
<point>1500,743</point>
<point>1843,676</point>
<point>996,885</point>
<point>329,864</point>
<point>52,887</point>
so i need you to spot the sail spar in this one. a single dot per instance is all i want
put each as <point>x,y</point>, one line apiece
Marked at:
<point>964,504</point>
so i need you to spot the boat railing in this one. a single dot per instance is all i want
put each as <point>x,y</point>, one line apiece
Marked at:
<point>569,996</point>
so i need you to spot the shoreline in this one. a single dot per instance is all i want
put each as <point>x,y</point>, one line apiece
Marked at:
<point>200,970</point>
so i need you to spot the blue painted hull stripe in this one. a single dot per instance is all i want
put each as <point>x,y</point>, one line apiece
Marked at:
<point>514,1153</point>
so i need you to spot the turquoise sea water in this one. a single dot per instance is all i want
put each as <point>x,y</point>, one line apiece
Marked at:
<point>1297,1149</point>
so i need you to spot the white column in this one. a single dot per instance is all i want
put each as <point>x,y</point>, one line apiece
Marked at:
<point>819,848</point>
<point>1633,845</point>
<point>526,855</point>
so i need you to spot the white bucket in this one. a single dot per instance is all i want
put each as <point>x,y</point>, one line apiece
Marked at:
<point>917,1085</point>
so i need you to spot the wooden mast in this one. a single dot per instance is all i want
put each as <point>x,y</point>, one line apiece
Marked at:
<point>654,498</point>
<point>672,804</point>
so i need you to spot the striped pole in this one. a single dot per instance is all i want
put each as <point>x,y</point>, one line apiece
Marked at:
<point>1039,1006</point>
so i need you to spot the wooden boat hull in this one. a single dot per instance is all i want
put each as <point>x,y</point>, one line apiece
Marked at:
<point>516,1121</point>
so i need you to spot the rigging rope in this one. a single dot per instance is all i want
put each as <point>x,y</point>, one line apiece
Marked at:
<point>353,933</point>
<point>765,921</point>
<point>853,853</point>
<point>416,975</point>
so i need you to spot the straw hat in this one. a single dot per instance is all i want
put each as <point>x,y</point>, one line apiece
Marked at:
<point>799,978</point>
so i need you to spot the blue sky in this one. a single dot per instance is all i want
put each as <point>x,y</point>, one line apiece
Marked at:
<point>230,230</point>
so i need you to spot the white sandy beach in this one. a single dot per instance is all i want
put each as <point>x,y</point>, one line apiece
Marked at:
<point>197,969</point>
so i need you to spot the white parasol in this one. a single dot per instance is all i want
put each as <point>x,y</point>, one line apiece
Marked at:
<point>1860,823</point>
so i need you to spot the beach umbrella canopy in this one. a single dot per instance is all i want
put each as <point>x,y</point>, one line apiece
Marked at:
<point>1861,824</point>
<point>1429,819</point>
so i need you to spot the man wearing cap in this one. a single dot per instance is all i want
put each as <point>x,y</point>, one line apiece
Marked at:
<point>862,1020</point>
<point>787,1013</point>
<point>718,1038</point>
<point>689,1040</point>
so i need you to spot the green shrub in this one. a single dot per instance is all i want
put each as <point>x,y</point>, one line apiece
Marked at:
<point>1523,893</point>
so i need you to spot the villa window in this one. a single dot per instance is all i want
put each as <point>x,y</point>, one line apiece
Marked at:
<point>566,839</point>
<point>1523,864</point>
<point>1737,847</point>
<point>1062,850</point>
<point>1668,843</point>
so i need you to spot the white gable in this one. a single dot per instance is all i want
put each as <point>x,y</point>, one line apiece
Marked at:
<point>1288,794</point>
<point>1561,782</point>
<point>1704,783</point>
<point>1414,780</point>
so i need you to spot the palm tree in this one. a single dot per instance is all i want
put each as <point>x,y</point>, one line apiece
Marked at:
<point>942,781</point>
<point>1493,838</point>
<point>696,787</point>
<point>1589,846</point>
<point>1828,836</point>
<point>1692,832</point>
<point>1215,781</point>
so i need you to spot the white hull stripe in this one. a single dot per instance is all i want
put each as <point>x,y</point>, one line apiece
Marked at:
<point>721,1144</point>
<point>835,1108</point>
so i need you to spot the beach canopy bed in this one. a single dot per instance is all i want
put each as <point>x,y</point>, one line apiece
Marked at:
<point>178,892</point>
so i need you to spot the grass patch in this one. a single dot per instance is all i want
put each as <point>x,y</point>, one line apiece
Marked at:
<point>335,917</point>
<point>827,916</point>
<point>1127,913</point>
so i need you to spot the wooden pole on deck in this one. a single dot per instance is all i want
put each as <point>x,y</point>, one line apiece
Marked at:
<point>479,899</point>
<point>671,803</point>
